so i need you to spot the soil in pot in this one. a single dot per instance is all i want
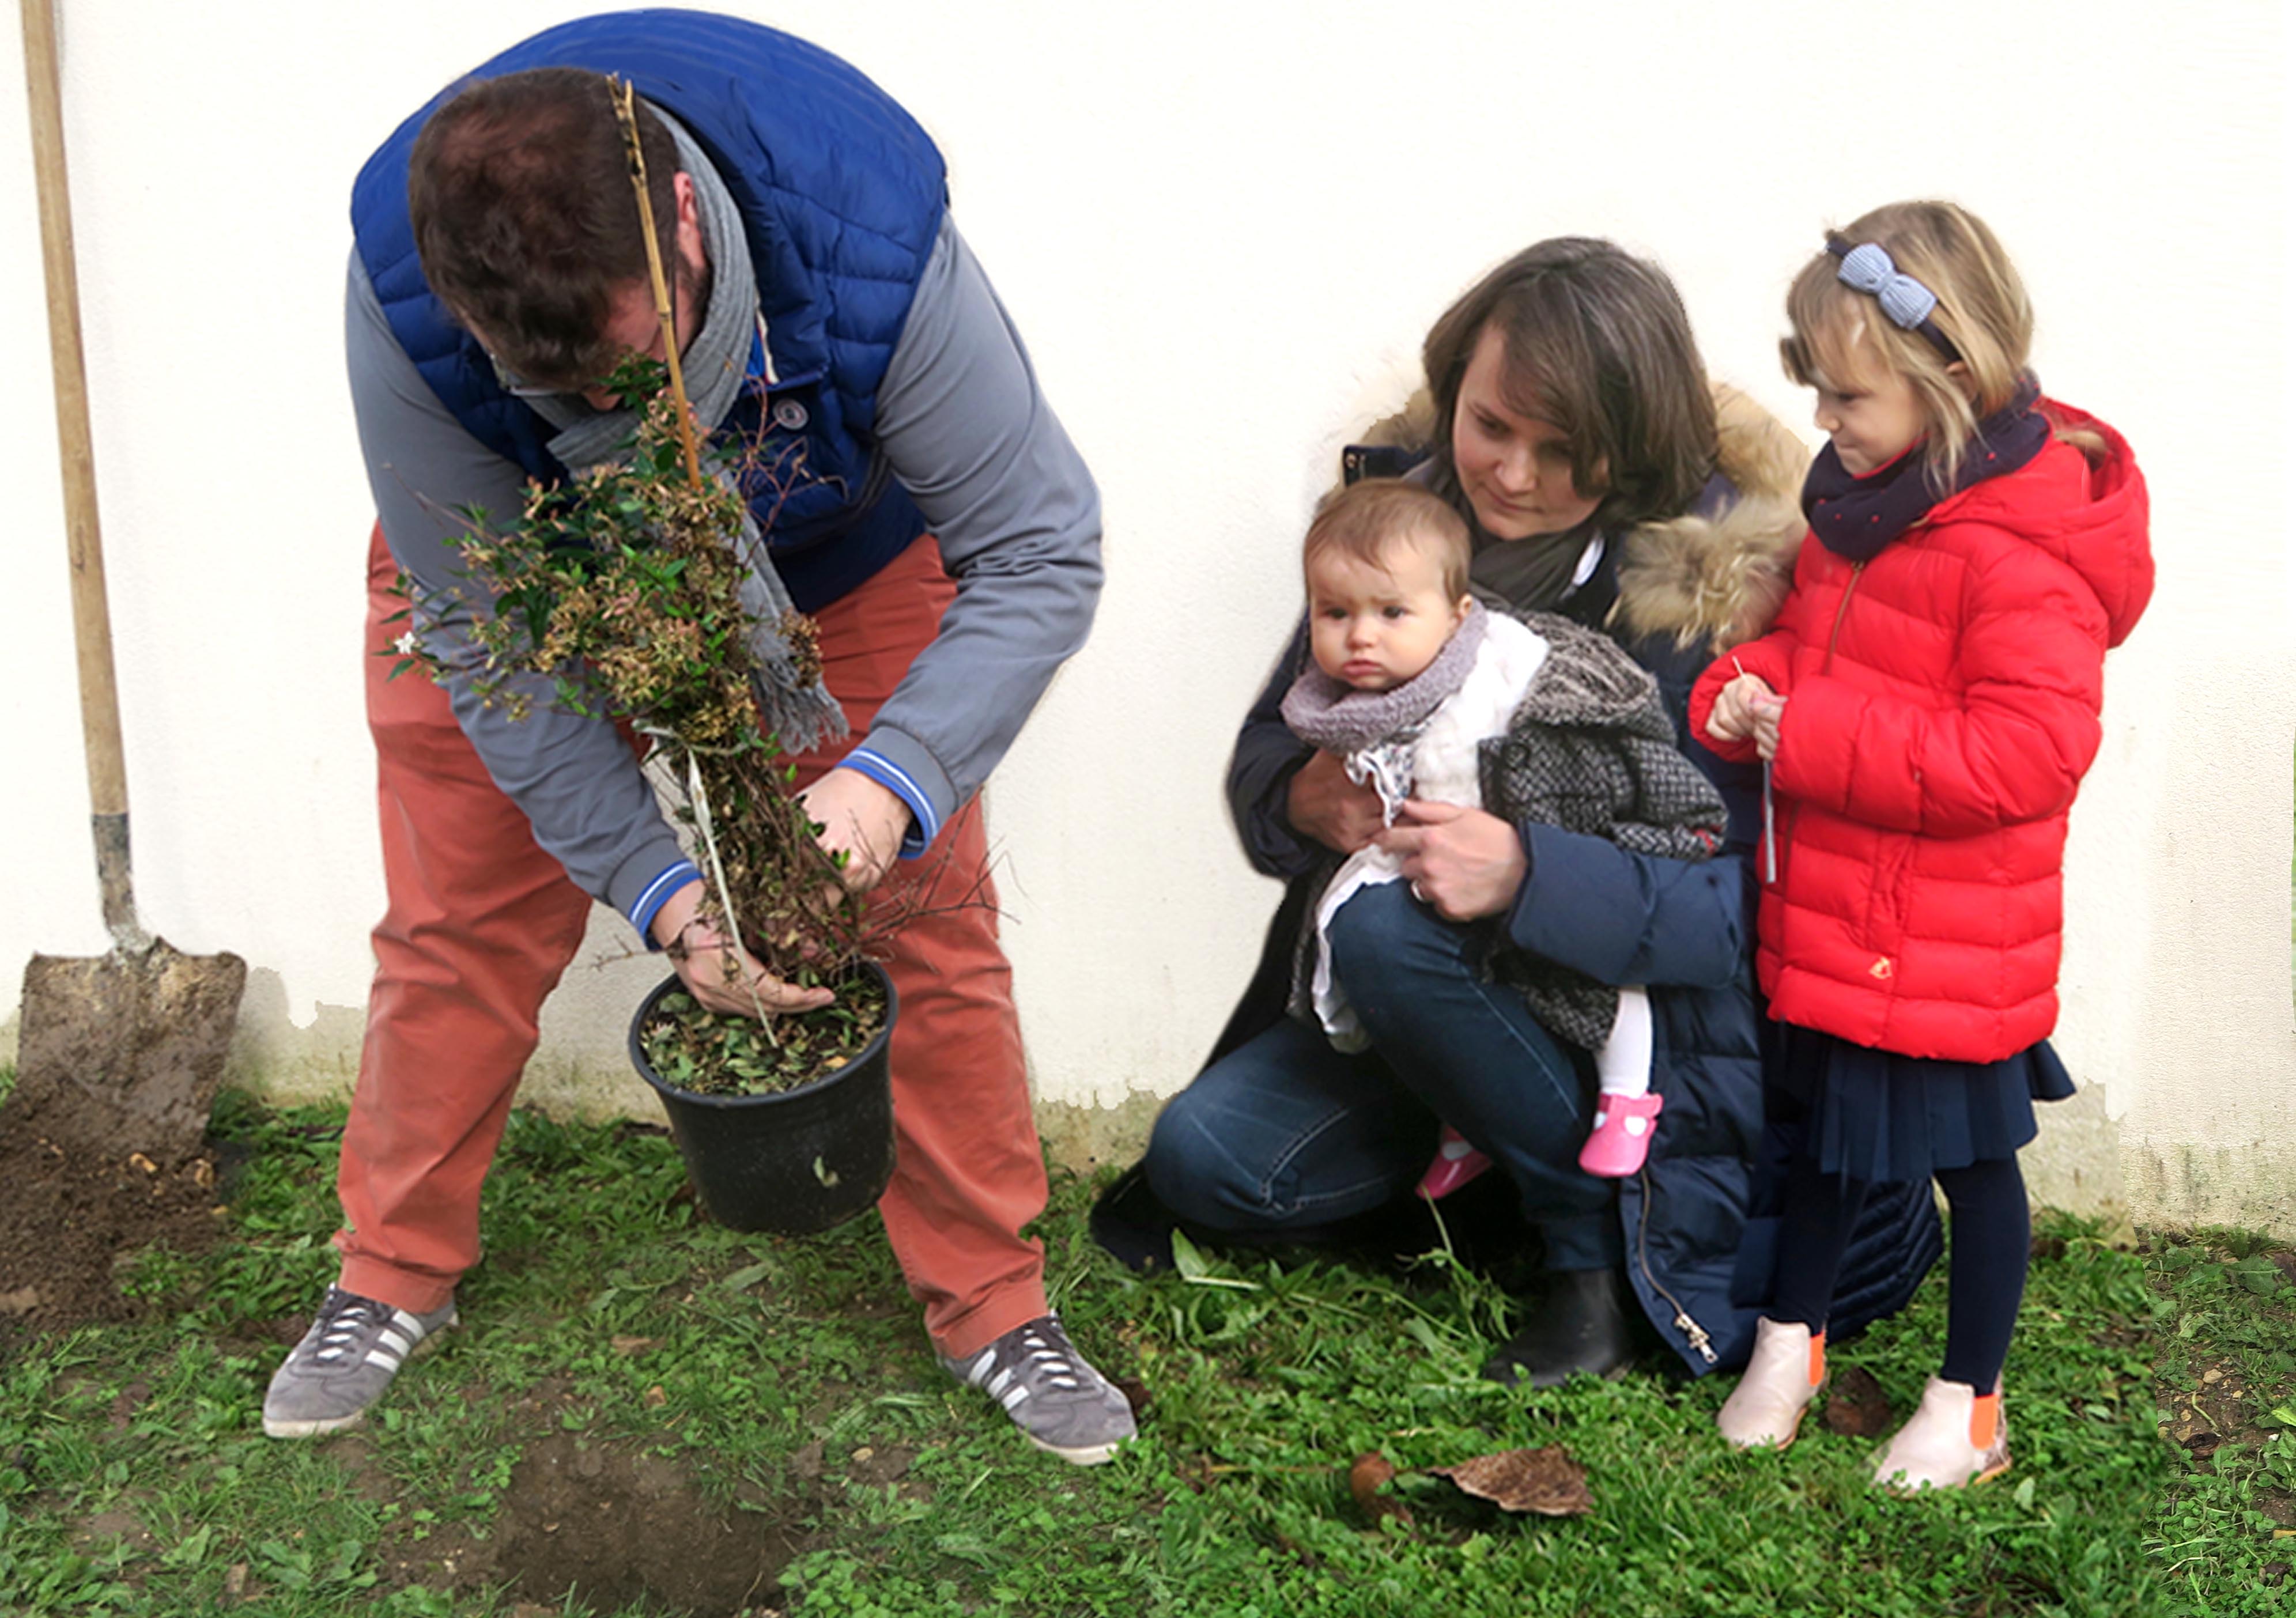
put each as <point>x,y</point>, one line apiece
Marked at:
<point>706,1054</point>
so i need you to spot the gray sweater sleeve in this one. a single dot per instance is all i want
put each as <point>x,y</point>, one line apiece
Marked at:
<point>575,778</point>
<point>969,434</point>
<point>967,431</point>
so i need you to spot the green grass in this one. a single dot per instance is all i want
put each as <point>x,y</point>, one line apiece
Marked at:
<point>788,1384</point>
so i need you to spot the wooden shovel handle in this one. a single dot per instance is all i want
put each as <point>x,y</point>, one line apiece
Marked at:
<point>99,690</point>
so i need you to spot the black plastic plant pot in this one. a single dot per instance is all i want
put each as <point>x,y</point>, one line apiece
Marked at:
<point>795,1162</point>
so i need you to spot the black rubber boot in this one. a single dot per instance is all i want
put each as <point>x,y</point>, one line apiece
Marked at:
<point>1583,1324</point>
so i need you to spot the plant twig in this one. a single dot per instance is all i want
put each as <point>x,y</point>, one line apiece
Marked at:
<point>625,113</point>
<point>699,796</point>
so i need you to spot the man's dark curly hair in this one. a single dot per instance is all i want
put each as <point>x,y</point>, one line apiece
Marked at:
<point>520,194</point>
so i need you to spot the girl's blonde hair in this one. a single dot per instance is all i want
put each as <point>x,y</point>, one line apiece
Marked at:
<point>1839,332</point>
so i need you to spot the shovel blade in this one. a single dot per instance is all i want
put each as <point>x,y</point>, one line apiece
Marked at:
<point>124,1052</point>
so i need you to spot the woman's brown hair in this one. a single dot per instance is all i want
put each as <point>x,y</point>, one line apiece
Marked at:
<point>1598,344</point>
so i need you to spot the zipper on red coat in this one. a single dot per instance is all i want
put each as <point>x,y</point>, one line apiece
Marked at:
<point>1833,635</point>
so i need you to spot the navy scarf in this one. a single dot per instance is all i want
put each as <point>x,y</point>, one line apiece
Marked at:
<point>1855,516</point>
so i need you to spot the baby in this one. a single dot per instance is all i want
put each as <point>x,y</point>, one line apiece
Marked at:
<point>1426,693</point>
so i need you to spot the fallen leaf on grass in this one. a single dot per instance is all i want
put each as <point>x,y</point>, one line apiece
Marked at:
<point>1855,1407</point>
<point>1372,1473</point>
<point>1545,1481</point>
<point>631,1345</point>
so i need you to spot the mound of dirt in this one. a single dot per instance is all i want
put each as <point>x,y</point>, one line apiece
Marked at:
<point>69,1213</point>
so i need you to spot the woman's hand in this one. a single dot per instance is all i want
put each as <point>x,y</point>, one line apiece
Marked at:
<point>718,971</point>
<point>1465,863</point>
<point>1323,804</point>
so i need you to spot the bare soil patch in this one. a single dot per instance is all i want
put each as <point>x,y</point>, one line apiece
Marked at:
<point>71,1212</point>
<point>615,1523</point>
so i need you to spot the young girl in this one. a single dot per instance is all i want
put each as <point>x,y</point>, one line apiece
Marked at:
<point>1927,705</point>
<point>1426,694</point>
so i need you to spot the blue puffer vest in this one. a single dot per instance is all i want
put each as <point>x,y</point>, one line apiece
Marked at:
<point>841,195</point>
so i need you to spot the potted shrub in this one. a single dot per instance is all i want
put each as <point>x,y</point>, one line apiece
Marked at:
<point>623,589</point>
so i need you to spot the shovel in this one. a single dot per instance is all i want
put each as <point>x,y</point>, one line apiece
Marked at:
<point>123,1053</point>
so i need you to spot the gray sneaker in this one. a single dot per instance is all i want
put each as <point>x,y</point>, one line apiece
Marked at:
<point>1051,1392</point>
<point>343,1363</point>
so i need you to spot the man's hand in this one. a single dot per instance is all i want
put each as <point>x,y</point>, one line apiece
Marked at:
<point>718,971</point>
<point>862,819</point>
<point>1465,863</point>
<point>1323,804</point>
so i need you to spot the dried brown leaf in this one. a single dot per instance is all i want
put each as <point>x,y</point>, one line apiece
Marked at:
<point>1855,1407</point>
<point>1545,1481</point>
<point>1371,1473</point>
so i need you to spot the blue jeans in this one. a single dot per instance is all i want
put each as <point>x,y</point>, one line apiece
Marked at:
<point>1285,1134</point>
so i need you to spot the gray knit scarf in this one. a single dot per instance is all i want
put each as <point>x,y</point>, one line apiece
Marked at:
<point>1330,715</point>
<point>800,714</point>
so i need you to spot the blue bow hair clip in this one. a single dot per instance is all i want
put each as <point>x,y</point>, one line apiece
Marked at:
<point>1868,268</point>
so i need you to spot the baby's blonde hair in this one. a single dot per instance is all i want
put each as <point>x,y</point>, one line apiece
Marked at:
<point>1981,307</point>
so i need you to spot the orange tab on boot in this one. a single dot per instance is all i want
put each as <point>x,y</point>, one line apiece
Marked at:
<point>1984,1420</point>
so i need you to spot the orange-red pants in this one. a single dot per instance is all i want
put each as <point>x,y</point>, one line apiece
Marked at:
<point>481,922</point>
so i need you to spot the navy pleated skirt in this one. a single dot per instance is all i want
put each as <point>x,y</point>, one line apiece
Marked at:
<point>1874,1116</point>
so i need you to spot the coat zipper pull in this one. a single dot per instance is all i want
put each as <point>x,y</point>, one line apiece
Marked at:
<point>1691,1331</point>
<point>1696,1333</point>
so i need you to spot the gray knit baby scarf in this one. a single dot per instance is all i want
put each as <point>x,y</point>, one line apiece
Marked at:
<point>800,713</point>
<point>1329,714</point>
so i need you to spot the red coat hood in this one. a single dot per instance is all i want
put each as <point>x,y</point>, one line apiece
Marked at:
<point>2089,510</point>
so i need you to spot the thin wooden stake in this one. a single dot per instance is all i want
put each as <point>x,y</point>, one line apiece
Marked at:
<point>625,113</point>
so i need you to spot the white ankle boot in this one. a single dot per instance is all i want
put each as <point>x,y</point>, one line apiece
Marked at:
<point>1788,1367</point>
<point>1956,1438</point>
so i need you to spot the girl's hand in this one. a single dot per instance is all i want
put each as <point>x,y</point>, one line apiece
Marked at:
<point>1767,712</point>
<point>1463,864</point>
<point>1732,717</point>
<point>1323,804</point>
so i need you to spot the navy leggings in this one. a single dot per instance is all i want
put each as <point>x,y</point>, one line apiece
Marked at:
<point>1992,1236</point>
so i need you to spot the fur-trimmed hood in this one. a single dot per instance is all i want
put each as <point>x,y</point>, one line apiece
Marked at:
<point>1716,578</point>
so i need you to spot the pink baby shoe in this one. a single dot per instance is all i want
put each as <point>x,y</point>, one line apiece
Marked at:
<point>1620,1138</point>
<point>1456,1162</point>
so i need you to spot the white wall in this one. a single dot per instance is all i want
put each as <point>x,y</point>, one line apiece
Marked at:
<point>1224,228</point>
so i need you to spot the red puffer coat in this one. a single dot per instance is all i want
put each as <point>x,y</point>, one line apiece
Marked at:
<point>1941,709</point>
